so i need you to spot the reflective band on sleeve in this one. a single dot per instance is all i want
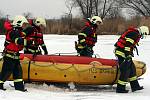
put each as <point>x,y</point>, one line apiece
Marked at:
<point>1,82</point>
<point>83,40</point>
<point>7,41</point>
<point>122,82</point>
<point>83,34</point>
<point>94,35</point>
<point>43,45</point>
<point>25,42</point>
<point>130,40</point>
<point>12,56</point>
<point>33,51</point>
<point>80,47</point>
<point>133,78</point>
<point>127,48</point>
<point>16,40</point>
<point>18,80</point>
<point>120,53</point>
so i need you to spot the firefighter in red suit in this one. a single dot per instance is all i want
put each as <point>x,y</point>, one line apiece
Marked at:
<point>14,43</point>
<point>124,52</point>
<point>35,39</point>
<point>88,37</point>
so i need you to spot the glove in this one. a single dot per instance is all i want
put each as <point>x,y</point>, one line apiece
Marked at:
<point>129,57</point>
<point>45,50</point>
<point>89,49</point>
<point>34,55</point>
<point>45,53</point>
<point>76,45</point>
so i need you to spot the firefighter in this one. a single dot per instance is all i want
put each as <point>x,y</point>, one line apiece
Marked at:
<point>14,42</point>
<point>124,52</point>
<point>35,39</point>
<point>88,37</point>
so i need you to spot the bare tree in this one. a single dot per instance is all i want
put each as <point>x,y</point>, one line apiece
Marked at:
<point>27,14</point>
<point>96,7</point>
<point>2,20</point>
<point>140,6</point>
<point>70,5</point>
<point>85,7</point>
<point>107,8</point>
<point>1,14</point>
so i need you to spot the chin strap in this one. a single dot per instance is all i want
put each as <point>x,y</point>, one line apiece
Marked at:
<point>136,49</point>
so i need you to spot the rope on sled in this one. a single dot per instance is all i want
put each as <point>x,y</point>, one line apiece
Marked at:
<point>92,68</point>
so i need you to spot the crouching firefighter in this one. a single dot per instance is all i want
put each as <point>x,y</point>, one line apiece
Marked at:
<point>88,37</point>
<point>35,39</point>
<point>14,42</point>
<point>124,52</point>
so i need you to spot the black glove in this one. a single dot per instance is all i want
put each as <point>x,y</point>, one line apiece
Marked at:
<point>89,49</point>
<point>128,58</point>
<point>76,45</point>
<point>45,50</point>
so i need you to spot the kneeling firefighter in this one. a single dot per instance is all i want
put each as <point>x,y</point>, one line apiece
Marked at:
<point>88,37</point>
<point>14,42</point>
<point>124,52</point>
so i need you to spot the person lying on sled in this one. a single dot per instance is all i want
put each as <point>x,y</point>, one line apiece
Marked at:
<point>35,40</point>
<point>124,52</point>
<point>88,37</point>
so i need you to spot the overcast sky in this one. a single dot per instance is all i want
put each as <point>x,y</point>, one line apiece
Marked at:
<point>44,8</point>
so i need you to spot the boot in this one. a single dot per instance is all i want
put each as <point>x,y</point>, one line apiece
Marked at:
<point>121,89</point>
<point>19,86</point>
<point>2,87</point>
<point>135,86</point>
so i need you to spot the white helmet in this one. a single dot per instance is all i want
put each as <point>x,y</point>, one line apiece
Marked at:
<point>19,21</point>
<point>96,19</point>
<point>143,31</point>
<point>40,21</point>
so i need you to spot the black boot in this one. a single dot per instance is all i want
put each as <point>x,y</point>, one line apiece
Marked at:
<point>20,86</point>
<point>2,87</point>
<point>121,89</point>
<point>135,86</point>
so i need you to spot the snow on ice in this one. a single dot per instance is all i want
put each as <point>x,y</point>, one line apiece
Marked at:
<point>65,44</point>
